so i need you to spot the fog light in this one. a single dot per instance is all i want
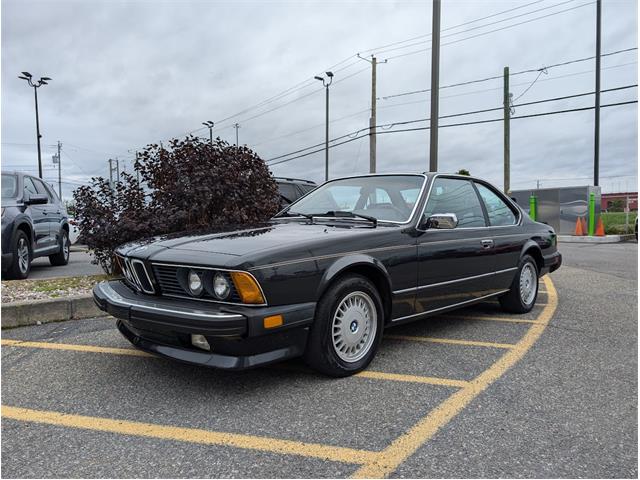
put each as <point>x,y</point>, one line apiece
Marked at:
<point>200,342</point>
<point>195,283</point>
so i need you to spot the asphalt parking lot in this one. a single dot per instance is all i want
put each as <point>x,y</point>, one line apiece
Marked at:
<point>79,264</point>
<point>475,393</point>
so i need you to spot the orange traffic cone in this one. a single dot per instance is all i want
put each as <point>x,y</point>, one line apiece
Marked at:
<point>599,228</point>
<point>579,231</point>
<point>584,226</point>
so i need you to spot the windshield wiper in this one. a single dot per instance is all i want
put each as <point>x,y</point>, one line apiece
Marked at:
<point>289,213</point>
<point>341,214</point>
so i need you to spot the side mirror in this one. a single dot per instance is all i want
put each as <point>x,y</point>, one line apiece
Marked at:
<point>442,221</point>
<point>36,199</point>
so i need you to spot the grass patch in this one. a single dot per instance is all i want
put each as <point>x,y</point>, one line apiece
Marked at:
<point>614,222</point>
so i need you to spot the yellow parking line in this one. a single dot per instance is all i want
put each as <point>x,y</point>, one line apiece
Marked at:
<point>397,377</point>
<point>406,445</point>
<point>74,347</point>
<point>450,341</point>
<point>191,435</point>
<point>492,319</point>
<point>130,351</point>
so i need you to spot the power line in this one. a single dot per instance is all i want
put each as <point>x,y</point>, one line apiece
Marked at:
<point>494,30</point>
<point>521,72</point>
<point>376,49</point>
<point>309,82</point>
<point>482,26</point>
<point>354,135</point>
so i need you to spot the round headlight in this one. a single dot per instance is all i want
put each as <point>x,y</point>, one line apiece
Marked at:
<point>195,283</point>
<point>221,286</point>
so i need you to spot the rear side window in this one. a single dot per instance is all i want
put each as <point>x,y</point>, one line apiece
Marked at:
<point>9,186</point>
<point>452,195</point>
<point>499,212</point>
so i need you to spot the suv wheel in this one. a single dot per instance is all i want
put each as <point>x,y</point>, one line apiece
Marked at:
<point>347,328</point>
<point>62,257</point>
<point>21,263</point>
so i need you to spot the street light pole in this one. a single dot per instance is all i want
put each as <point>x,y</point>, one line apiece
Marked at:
<point>236,126</point>
<point>596,133</point>
<point>209,124</point>
<point>43,81</point>
<point>326,129</point>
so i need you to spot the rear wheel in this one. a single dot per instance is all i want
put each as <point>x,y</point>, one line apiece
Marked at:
<point>347,329</point>
<point>21,263</point>
<point>524,289</point>
<point>62,257</point>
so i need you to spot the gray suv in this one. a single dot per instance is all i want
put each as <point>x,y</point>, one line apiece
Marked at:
<point>34,224</point>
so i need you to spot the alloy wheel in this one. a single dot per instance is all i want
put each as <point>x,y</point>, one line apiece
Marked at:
<point>354,327</point>
<point>23,255</point>
<point>528,284</point>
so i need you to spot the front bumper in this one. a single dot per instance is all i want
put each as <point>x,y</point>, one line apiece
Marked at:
<point>236,334</point>
<point>551,262</point>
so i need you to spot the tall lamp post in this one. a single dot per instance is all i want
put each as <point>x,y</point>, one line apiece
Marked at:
<point>209,124</point>
<point>326,84</point>
<point>43,81</point>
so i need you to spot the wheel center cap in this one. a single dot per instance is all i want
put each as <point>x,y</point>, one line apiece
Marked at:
<point>354,326</point>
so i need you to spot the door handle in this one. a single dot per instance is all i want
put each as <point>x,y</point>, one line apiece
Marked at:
<point>486,244</point>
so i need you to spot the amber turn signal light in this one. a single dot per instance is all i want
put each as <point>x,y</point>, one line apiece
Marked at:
<point>273,321</point>
<point>247,288</point>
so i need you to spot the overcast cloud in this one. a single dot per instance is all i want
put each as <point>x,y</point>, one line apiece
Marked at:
<point>128,73</point>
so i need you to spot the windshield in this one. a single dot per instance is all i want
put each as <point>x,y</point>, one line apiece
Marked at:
<point>389,198</point>
<point>9,186</point>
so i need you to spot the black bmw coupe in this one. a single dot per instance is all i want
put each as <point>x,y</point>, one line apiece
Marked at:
<point>328,274</point>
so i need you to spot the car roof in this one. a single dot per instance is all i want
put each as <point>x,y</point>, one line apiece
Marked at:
<point>293,180</point>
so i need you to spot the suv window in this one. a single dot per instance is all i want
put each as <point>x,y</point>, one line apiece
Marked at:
<point>42,189</point>
<point>499,212</point>
<point>29,187</point>
<point>453,195</point>
<point>288,191</point>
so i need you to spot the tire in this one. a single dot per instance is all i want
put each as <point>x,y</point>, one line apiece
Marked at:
<point>21,263</point>
<point>62,257</point>
<point>334,347</point>
<point>522,300</point>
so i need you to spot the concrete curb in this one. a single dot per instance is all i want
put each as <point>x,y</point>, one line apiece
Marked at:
<point>586,239</point>
<point>36,312</point>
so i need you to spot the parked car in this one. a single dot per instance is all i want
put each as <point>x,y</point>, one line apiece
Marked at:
<point>291,189</point>
<point>34,224</point>
<point>326,276</point>
<point>74,230</point>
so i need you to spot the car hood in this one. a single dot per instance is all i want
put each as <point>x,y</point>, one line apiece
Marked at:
<point>233,245</point>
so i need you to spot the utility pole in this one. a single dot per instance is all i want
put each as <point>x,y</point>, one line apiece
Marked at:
<point>236,126</point>
<point>43,81</point>
<point>59,171</point>
<point>326,85</point>
<point>596,133</point>
<point>506,99</point>
<point>372,121</point>
<point>137,170</point>
<point>111,173</point>
<point>111,169</point>
<point>435,87</point>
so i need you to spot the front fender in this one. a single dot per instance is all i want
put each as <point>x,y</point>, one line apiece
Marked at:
<point>352,262</point>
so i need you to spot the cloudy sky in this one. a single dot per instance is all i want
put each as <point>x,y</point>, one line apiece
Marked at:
<point>129,73</point>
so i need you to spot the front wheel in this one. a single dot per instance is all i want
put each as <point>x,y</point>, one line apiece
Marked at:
<point>62,257</point>
<point>523,292</point>
<point>21,263</point>
<point>347,328</point>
